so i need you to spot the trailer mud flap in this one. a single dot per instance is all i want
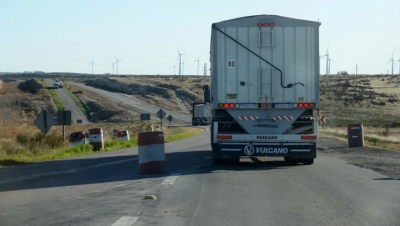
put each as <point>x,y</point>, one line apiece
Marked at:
<point>267,149</point>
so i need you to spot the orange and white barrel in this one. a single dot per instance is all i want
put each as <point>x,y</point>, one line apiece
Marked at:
<point>122,135</point>
<point>115,131</point>
<point>96,138</point>
<point>151,152</point>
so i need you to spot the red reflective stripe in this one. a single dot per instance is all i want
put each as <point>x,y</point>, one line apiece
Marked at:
<point>283,117</point>
<point>248,117</point>
<point>224,137</point>
<point>308,137</point>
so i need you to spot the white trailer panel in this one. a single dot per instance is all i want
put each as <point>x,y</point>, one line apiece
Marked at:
<point>291,45</point>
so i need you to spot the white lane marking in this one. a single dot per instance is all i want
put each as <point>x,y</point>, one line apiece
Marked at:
<point>171,179</point>
<point>74,170</point>
<point>125,221</point>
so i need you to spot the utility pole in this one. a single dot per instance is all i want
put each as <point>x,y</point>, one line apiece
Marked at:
<point>205,73</point>
<point>331,107</point>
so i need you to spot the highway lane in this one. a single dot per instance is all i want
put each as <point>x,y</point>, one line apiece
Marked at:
<point>135,104</point>
<point>106,189</point>
<point>69,104</point>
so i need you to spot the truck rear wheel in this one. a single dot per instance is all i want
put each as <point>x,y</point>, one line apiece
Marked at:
<point>233,161</point>
<point>291,161</point>
<point>308,161</point>
<point>219,162</point>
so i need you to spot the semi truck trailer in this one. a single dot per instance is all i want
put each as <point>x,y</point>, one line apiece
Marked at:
<point>201,113</point>
<point>264,88</point>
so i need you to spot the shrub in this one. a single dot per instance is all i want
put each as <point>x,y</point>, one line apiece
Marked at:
<point>41,140</point>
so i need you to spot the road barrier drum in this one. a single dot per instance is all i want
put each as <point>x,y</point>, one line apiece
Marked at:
<point>355,135</point>
<point>151,152</point>
<point>96,138</point>
<point>122,134</point>
<point>77,138</point>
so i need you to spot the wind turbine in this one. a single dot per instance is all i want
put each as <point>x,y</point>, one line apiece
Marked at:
<point>329,65</point>
<point>392,63</point>
<point>327,60</point>
<point>399,65</point>
<point>92,65</point>
<point>180,59</point>
<point>112,66</point>
<point>356,69</point>
<point>183,65</point>
<point>116,61</point>
<point>198,62</point>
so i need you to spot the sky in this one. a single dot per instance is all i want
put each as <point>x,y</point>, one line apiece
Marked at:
<point>67,35</point>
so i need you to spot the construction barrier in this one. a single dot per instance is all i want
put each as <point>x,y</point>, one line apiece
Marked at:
<point>355,135</point>
<point>121,134</point>
<point>155,128</point>
<point>77,138</point>
<point>151,152</point>
<point>96,138</point>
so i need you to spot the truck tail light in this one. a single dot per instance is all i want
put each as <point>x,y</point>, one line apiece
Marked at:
<point>308,137</point>
<point>224,137</point>
<point>227,105</point>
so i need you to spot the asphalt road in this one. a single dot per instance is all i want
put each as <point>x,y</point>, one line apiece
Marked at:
<point>106,189</point>
<point>70,105</point>
<point>136,105</point>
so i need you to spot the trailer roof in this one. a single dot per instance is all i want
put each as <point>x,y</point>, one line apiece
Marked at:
<point>279,21</point>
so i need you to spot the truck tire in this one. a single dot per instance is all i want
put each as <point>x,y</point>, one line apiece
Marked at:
<point>291,161</point>
<point>308,161</point>
<point>219,162</point>
<point>233,161</point>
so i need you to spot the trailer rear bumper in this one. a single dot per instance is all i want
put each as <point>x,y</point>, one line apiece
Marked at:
<point>292,150</point>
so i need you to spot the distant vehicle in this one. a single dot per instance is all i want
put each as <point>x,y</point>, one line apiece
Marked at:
<point>55,85</point>
<point>264,88</point>
<point>58,84</point>
<point>201,113</point>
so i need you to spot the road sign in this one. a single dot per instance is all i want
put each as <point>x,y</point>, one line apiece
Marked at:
<point>44,121</point>
<point>170,118</point>
<point>323,119</point>
<point>145,116</point>
<point>64,117</point>
<point>161,114</point>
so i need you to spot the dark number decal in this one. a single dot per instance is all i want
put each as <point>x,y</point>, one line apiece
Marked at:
<point>231,64</point>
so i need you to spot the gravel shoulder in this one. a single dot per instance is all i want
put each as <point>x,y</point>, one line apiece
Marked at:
<point>385,162</point>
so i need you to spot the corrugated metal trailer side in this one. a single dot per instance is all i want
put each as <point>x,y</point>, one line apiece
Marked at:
<point>265,88</point>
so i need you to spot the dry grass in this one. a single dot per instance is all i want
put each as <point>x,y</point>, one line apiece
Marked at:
<point>388,138</point>
<point>27,144</point>
<point>371,100</point>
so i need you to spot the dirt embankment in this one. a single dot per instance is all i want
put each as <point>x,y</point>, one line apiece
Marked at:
<point>170,96</point>
<point>22,101</point>
<point>99,109</point>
